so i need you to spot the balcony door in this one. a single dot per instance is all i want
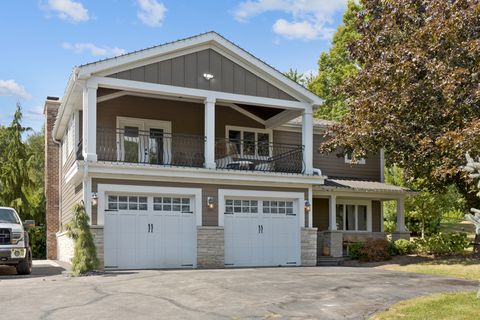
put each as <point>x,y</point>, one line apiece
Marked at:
<point>143,140</point>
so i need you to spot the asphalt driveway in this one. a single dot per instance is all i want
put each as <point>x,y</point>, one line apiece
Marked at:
<point>321,292</point>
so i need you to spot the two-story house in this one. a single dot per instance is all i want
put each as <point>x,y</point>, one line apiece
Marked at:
<point>195,153</point>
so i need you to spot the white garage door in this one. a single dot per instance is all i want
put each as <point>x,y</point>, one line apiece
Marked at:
<point>261,232</point>
<point>149,231</point>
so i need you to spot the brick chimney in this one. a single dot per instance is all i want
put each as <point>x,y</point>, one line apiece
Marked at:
<point>52,153</point>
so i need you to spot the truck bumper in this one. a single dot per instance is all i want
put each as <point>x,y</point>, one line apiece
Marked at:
<point>12,256</point>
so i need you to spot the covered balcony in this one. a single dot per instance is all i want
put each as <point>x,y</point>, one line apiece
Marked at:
<point>156,147</point>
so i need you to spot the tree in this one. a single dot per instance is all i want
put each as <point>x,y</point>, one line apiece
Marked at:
<point>85,254</point>
<point>417,93</point>
<point>473,170</point>
<point>335,66</point>
<point>300,78</point>
<point>35,144</point>
<point>15,181</point>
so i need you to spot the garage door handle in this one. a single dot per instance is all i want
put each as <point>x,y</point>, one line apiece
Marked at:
<point>152,227</point>
<point>261,228</point>
<point>149,227</point>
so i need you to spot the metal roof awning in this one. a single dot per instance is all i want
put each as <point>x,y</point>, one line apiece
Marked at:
<point>338,184</point>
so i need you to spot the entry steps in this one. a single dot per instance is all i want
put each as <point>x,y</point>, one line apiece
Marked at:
<point>330,261</point>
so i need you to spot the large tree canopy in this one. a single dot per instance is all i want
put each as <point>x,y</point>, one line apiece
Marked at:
<point>417,94</point>
<point>335,66</point>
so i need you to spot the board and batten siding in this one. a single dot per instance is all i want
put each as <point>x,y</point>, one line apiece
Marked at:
<point>188,70</point>
<point>210,216</point>
<point>330,164</point>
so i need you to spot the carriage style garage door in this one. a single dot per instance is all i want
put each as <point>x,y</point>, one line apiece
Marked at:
<point>143,231</point>
<point>261,232</point>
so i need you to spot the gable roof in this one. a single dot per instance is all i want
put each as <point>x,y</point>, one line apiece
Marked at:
<point>105,66</point>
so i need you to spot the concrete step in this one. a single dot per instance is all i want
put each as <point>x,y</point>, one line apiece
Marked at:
<point>329,261</point>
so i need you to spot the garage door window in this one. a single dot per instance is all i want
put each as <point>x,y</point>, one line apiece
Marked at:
<point>241,206</point>
<point>279,207</point>
<point>117,202</point>
<point>176,204</point>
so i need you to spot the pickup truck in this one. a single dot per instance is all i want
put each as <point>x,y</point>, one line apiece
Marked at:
<point>14,243</point>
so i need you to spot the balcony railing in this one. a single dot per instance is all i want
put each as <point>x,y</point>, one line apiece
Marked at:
<point>150,147</point>
<point>258,156</point>
<point>131,145</point>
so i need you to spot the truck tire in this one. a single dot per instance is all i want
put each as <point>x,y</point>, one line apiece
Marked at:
<point>24,267</point>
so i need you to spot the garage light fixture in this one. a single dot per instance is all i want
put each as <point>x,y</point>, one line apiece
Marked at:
<point>211,202</point>
<point>208,76</point>
<point>94,198</point>
<point>308,206</point>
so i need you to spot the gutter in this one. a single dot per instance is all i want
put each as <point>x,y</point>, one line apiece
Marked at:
<point>67,94</point>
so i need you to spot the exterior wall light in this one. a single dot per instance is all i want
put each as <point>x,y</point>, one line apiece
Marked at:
<point>308,206</point>
<point>94,198</point>
<point>208,76</point>
<point>211,202</point>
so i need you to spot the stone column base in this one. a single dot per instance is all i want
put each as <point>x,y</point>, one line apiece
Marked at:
<point>400,235</point>
<point>210,247</point>
<point>333,243</point>
<point>309,247</point>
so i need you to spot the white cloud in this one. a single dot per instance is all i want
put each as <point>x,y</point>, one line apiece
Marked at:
<point>12,88</point>
<point>70,10</point>
<point>308,19</point>
<point>93,49</point>
<point>37,110</point>
<point>151,12</point>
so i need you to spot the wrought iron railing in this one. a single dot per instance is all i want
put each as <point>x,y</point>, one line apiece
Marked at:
<point>150,147</point>
<point>258,156</point>
<point>131,145</point>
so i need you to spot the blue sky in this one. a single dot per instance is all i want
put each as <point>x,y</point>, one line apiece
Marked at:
<point>42,40</point>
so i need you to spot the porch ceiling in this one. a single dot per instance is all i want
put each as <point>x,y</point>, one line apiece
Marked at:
<point>261,112</point>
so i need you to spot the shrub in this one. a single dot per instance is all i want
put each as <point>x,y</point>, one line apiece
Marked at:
<point>38,242</point>
<point>84,255</point>
<point>392,249</point>
<point>404,247</point>
<point>443,244</point>
<point>354,250</point>
<point>375,250</point>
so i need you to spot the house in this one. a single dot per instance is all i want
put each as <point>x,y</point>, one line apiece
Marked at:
<point>195,153</point>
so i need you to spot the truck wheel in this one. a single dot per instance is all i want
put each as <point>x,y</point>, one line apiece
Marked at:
<point>25,266</point>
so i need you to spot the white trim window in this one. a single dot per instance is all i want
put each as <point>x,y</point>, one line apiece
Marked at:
<point>349,160</point>
<point>71,135</point>
<point>64,149</point>
<point>354,216</point>
<point>144,140</point>
<point>250,142</point>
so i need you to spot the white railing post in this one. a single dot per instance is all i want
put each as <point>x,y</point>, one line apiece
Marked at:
<point>307,140</point>
<point>210,133</point>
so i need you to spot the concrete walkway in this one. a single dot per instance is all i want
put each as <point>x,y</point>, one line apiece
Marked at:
<point>322,292</point>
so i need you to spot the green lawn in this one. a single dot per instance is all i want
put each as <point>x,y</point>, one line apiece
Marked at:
<point>463,305</point>
<point>464,268</point>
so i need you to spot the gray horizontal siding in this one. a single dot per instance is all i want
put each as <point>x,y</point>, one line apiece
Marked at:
<point>330,164</point>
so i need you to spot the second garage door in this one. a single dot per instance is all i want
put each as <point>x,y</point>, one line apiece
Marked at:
<point>143,231</point>
<point>261,232</point>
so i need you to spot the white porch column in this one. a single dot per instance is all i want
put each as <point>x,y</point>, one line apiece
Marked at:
<point>307,140</point>
<point>90,122</point>
<point>310,214</point>
<point>210,133</point>
<point>382,218</point>
<point>332,213</point>
<point>400,215</point>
